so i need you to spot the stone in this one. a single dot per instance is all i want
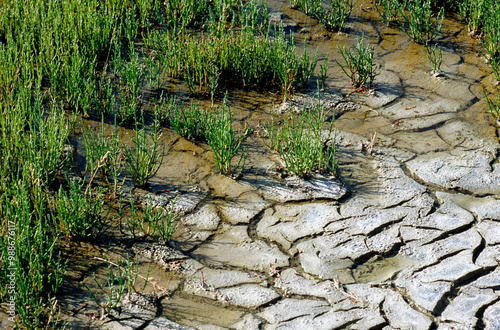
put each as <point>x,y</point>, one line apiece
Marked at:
<point>438,250</point>
<point>384,241</point>
<point>463,308</point>
<point>330,320</point>
<point>134,311</point>
<point>375,221</point>
<point>389,89</point>
<point>448,217</point>
<point>307,102</point>
<point>183,202</point>
<point>491,280</point>
<point>221,278</point>
<point>459,133</point>
<point>421,123</point>
<point>288,223</point>
<point>248,295</point>
<point>486,208</point>
<point>162,254</point>
<point>339,269</point>
<point>401,315</point>
<point>414,108</point>
<point>162,323</point>
<point>235,248</point>
<point>296,189</point>
<point>420,235</point>
<point>224,186</point>
<point>452,326</point>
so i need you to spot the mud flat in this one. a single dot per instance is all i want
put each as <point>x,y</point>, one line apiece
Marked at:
<point>407,238</point>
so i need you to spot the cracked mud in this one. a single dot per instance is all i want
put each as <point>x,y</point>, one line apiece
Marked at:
<point>409,239</point>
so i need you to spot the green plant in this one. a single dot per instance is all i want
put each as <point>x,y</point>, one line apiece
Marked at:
<point>335,17</point>
<point>388,10</point>
<point>474,13</point>
<point>494,108</point>
<point>435,56</point>
<point>323,72</point>
<point>419,21</point>
<point>29,247</point>
<point>161,222</point>
<point>358,65</point>
<point>223,140</point>
<point>103,155</point>
<point>301,144</point>
<point>491,41</point>
<point>311,8</point>
<point>189,122</point>
<point>120,280</point>
<point>305,68</point>
<point>145,157</point>
<point>131,76</point>
<point>81,214</point>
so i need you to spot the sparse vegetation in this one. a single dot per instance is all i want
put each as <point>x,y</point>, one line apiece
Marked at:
<point>303,145</point>
<point>113,63</point>
<point>358,64</point>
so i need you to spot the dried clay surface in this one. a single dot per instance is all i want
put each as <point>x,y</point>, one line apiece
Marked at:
<point>407,237</point>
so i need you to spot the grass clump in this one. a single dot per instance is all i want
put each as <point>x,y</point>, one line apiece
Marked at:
<point>492,106</point>
<point>333,17</point>
<point>302,144</point>
<point>29,254</point>
<point>120,281</point>
<point>435,56</point>
<point>388,10</point>
<point>189,121</point>
<point>358,64</point>
<point>145,157</point>
<point>223,140</point>
<point>419,22</point>
<point>81,213</point>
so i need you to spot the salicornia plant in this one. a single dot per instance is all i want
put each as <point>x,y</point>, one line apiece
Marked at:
<point>494,108</point>
<point>223,140</point>
<point>145,157</point>
<point>358,64</point>
<point>302,144</point>
<point>419,21</point>
<point>435,56</point>
<point>388,10</point>
<point>120,281</point>
<point>323,72</point>
<point>81,213</point>
<point>336,15</point>
<point>333,17</point>
<point>189,121</point>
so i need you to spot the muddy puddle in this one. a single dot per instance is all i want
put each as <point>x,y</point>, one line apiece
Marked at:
<point>407,237</point>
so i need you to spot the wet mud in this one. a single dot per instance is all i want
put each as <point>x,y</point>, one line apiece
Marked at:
<point>406,238</point>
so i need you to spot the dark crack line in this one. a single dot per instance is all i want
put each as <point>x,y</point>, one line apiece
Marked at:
<point>477,251</point>
<point>449,233</point>
<point>448,297</point>
<point>480,314</point>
